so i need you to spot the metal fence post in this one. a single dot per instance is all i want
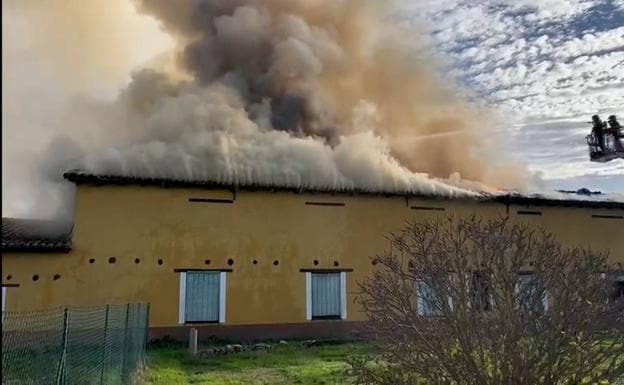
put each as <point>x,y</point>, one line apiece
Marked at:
<point>104,345</point>
<point>60,374</point>
<point>125,346</point>
<point>146,331</point>
<point>147,315</point>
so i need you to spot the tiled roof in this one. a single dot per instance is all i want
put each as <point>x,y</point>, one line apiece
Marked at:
<point>81,177</point>
<point>33,235</point>
<point>522,200</point>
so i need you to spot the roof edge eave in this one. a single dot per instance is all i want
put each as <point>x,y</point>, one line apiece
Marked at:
<point>36,249</point>
<point>100,180</point>
<point>79,177</point>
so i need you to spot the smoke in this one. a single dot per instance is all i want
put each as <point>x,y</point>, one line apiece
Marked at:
<point>63,63</point>
<point>314,93</point>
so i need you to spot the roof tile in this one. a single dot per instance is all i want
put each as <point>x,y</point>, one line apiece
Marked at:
<point>34,235</point>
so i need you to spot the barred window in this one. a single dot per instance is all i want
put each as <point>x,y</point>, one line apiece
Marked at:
<point>326,295</point>
<point>618,288</point>
<point>430,301</point>
<point>531,295</point>
<point>202,296</point>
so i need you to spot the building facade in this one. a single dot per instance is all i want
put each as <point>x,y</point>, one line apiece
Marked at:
<point>249,262</point>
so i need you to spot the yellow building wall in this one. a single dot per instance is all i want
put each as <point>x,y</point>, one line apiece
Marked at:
<point>148,224</point>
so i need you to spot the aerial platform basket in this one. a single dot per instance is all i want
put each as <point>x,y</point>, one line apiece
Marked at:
<point>605,140</point>
<point>613,148</point>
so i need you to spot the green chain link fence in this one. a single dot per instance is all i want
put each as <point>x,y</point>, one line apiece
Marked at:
<point>102,345</point>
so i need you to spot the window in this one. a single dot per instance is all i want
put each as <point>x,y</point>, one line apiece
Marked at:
<point>527,290</point>
<point>618,293</point>
<point>4,295</point>
<point>431,302</point>
<point>618,289</point>
<point>326,295</point>
<point>202,297</point>
<point>481,292</point>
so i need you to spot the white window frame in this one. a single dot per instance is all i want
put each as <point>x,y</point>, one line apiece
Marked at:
<point>222,297</point>
<point>343,294</point>
<point>4,290</point>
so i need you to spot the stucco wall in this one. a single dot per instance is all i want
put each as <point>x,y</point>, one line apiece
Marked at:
<point>151,224</point>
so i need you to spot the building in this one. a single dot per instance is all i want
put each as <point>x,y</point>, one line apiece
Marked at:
<point>274,261</point>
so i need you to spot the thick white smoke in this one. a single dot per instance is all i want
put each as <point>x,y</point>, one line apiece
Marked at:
<point>207,133</point>
<point>323,93</point>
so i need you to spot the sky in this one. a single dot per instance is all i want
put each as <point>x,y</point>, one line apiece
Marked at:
<point>547,66</point>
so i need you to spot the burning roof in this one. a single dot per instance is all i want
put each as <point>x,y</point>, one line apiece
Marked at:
<point>314,96</point>
<point>80,177</point>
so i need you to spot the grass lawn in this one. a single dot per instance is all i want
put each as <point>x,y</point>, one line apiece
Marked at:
<point>289,364</point>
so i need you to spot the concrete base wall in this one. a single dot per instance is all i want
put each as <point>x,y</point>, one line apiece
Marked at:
<point>346,330</point>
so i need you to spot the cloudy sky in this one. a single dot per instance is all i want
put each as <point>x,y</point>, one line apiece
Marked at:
<point>548,65</point>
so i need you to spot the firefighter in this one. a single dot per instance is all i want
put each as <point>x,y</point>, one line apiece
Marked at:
<point>615,126</point>
<point>598,131</point>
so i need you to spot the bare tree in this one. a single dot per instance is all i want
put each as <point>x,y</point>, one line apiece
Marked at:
<point>472,301</point>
